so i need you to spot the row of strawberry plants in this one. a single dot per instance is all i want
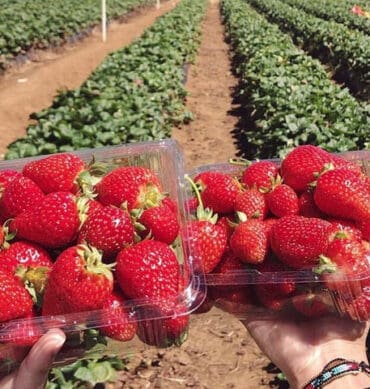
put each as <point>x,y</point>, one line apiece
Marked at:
<point>39,24</point>
<point>339,11</point>
<point>347,51</point>
<point>288,94</point>
<point>136,94</point>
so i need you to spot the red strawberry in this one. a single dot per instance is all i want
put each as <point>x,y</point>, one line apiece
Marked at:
<point>344,267</point>
<point>218,191</point>
<point>142,269</point>
<point>249,241</point>
<point>15,301</point>
<point>341,193</point>
<point>252,203</point>
<point>117,322</point>
<point>307,206</point>
<point>108,229</point>
<point>56,173</point>
<point>171,204</point>
<point>274,295</point>
<point>191,205</point>
<point>136,187</point>
<point>298,241</point>
<point>161,222</point>
<point>78,282</point>
<point>23,253</point>
<point>20,195</point>
<point>310,304</point>
<point>300,167</point>
<point>260,175</point>
<point>53,223</point>
<point>282,200</point>
<point>207,243</point>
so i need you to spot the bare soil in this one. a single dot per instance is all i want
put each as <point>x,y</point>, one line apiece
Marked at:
<point>219,353</point>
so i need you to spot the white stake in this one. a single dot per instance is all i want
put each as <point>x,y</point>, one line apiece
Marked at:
<point>104,20</point>
<point>158,5</point>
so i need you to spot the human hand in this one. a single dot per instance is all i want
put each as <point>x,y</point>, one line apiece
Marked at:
<point>33,371</point>
<point>301,348</point>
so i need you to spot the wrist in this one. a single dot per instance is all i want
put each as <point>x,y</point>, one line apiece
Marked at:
<point>306,369</point>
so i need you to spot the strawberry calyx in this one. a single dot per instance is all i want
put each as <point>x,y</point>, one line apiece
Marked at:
<point>150,196</point>
<point>82,209</point>
<point>87,179</point>
<point>34,280</point>
<point>202,214</point>
<point>6,235</point>
<point>325,265</point>
<point>93,259</point>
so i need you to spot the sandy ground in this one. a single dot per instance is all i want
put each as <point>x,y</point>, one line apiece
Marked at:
<point>219,353</point>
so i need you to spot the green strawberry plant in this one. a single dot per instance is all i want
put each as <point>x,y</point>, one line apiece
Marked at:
<point>27,24</point>
<point>136,94</point>
<point>288,95</point>
<point>339,11</point>
<point>346,51</point>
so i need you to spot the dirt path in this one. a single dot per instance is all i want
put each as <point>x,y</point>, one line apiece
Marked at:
<point>210,83</point>
<point>31,87</point>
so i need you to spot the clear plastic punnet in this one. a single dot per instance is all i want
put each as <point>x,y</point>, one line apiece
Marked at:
<point>271,288</point>
<point>143,314</point>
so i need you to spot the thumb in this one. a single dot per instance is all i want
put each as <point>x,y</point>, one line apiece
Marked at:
<point>34,370</point>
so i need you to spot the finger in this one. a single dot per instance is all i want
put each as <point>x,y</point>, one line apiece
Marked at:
<point>34,370</point>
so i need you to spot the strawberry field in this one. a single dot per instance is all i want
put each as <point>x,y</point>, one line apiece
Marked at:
<point>226,79</point>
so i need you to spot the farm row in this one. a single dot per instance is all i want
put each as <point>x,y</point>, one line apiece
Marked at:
<point>35,24</point>
<point>138,93</point>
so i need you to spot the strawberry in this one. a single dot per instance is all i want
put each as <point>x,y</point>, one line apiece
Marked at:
<point>274,295</point>
<point>282,200</point>
<point>307,206</point>
<point>171,204</point>
<point>310,304</point>
<point>58,173</point>
<point>23,253</point>
<point>344,266</point>
<point>161,222</point>
<point>298,241</point>
<point>218,191</point>
<point>132,186</point>
<point>341,193</point>
<point>142,268</point>
<point>229,263</point>
<point>260,175</point>
<point>78,282</point>
<point>252,203</point>
<point>191,205</point>
<point>300,167</point>
<point>108,229</point>
<point>20,195</point>
<point>249,241</point>
<point>117,322</point>
<point>15,301</point>
<point>53,223</point>
<point>207,242</point>
<point>164,332</point>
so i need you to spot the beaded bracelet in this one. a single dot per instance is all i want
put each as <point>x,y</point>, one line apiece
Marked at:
<point>334,369</point>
